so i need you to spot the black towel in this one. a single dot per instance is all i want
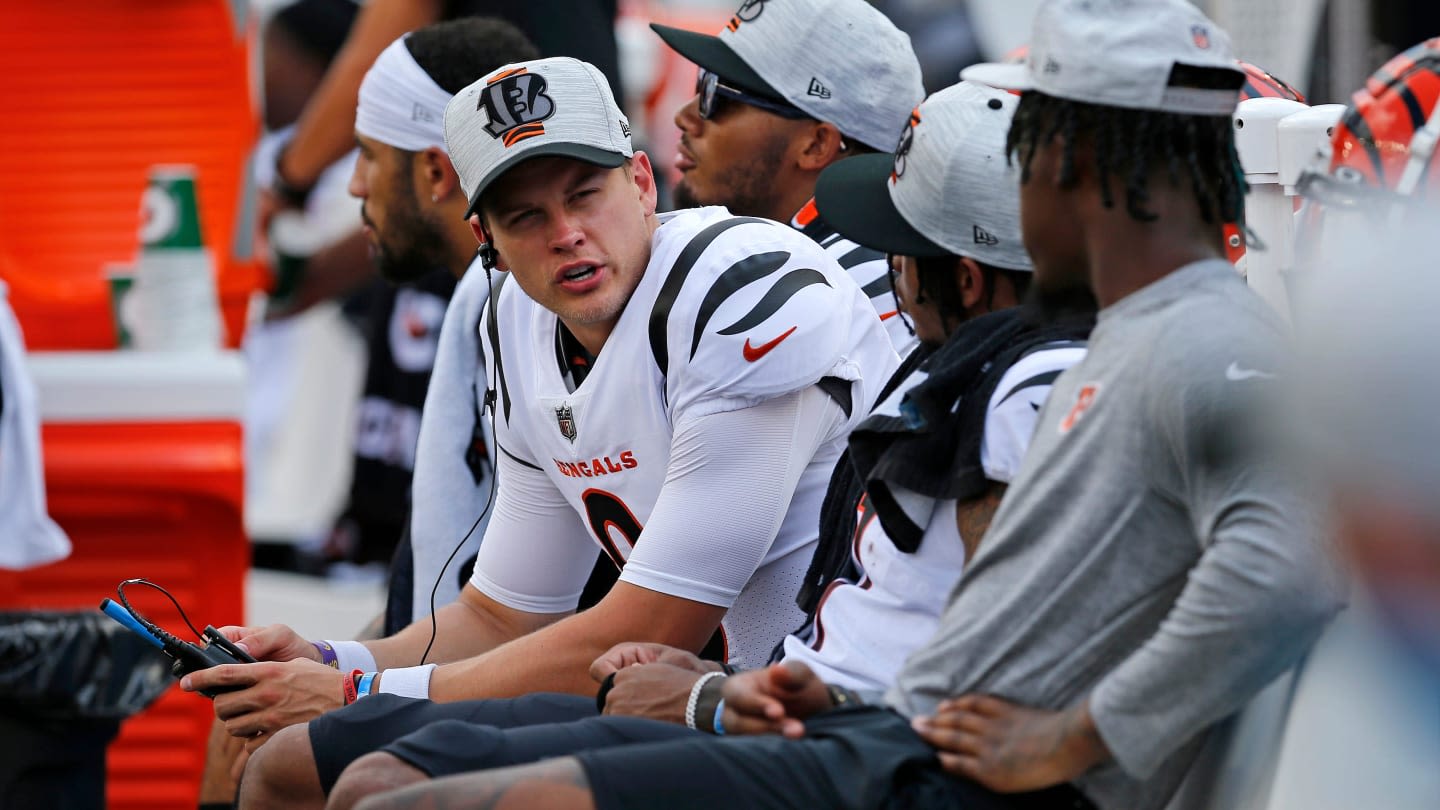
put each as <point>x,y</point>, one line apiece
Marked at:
<point>932,448</point>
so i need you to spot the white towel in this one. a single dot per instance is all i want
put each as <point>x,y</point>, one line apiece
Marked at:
<point>28,537</point>
<point>445,496</point>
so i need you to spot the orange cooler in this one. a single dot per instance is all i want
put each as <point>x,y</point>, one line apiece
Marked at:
<point>143,466</point>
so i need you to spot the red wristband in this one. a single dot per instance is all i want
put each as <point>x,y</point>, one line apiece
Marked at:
<point>349,686</point>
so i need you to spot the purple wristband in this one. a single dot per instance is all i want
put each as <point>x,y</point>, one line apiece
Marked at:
<point>327,654</point>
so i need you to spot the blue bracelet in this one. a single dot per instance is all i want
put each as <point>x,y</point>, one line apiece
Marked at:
<point>366,682</point>
<point>719,725</point>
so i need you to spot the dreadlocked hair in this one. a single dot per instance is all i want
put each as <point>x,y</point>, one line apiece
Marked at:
<point>1128,145</point>
<point>936,277</point>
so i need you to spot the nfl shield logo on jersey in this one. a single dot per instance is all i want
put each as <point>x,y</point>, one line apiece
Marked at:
<point>565,418</point>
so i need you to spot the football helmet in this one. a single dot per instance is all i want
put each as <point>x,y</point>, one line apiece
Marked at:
<point>1261,83</point>
<point>1384,145</point>
<point>1376,174</point>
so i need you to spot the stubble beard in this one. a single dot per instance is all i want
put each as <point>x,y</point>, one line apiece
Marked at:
<point>746,188</point>
<point>413,244</point>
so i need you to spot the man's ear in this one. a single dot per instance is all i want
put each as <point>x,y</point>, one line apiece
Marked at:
<point>643,175</point>
<point>823,144</point>
<point>487,243</point>
<point>970,280</point>
<point>435,175</point>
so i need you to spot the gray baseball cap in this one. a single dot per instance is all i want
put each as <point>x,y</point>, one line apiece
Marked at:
<point>947,190</point>
<point>558,106</point>
<point>1161,55</point>
<point>839,61</point>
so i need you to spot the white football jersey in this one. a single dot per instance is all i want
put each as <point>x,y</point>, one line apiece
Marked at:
<point>864,629</point>
<point>867,266</point>
<point>731,312</point>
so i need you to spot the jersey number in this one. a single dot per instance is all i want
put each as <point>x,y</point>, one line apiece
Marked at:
<point>607,513</point>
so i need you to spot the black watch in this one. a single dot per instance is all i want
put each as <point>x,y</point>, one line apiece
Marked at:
<point>605,687</point>
<point>293,195</point>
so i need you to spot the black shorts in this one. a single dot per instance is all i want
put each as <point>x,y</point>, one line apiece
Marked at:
<point>454,746</point>
<point>343,736</point>
<point>864,758</point>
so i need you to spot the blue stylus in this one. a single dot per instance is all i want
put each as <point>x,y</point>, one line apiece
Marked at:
<point>123,616</point>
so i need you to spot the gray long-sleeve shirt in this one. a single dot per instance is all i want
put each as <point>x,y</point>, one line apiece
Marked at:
<point>1149,555</point>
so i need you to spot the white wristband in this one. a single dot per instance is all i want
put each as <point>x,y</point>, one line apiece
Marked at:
<point>411,682</point>
<point>352,655</point>
<point>695,696</point>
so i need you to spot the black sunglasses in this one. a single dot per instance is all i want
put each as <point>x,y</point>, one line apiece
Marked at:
<point>708,87</point>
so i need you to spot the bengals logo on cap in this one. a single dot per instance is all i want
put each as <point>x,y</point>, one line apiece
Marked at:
<point>902,149</point>
<point>516,104</point>
<point>749,11</point>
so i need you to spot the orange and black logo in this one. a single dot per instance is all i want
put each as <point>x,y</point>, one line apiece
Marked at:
<point>902,149</point>
<point>516,104</point>
<point>749,11</point>
<point>1083,401</point>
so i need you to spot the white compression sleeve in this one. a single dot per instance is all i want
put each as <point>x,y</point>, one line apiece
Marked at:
<point>537,554</point>
<point>728,487</point>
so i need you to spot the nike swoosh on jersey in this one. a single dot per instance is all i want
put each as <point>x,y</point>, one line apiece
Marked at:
<point>1235,373</point>
<point>753,353</point>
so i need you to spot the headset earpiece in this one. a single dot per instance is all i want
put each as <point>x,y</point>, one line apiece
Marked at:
<point>488,256</point>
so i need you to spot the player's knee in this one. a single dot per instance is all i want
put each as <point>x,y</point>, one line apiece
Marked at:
<point>373,773</point>
<point>282,773</point>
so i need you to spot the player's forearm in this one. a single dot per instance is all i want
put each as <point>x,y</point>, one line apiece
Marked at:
<point>461,630</point>
<point>326,129</point>
<point>334,271</point>
<point>557,658</point>
<point>554,659</point>
<point>1248,611</point>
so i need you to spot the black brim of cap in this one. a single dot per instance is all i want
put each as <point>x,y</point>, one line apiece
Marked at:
<point>715,56</point>
<point>578,151</point>
<point>854,197</point>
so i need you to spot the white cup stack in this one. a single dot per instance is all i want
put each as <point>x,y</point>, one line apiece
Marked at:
<point>173,305</point>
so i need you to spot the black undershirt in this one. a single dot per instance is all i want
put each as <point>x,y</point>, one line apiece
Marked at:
<point>574,359</point>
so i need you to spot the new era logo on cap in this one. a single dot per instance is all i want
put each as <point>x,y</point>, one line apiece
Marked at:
<point>902,149</point>
<point>817,89</point>
<point>516,103</point>
<point>984,237</point>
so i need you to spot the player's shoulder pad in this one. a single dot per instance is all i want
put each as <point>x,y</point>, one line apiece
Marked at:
<point>1029,378</point>
<point>1014,408</point>
<point>750,309</point>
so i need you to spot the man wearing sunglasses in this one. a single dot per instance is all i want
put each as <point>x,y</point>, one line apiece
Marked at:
<point>787,88</point>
